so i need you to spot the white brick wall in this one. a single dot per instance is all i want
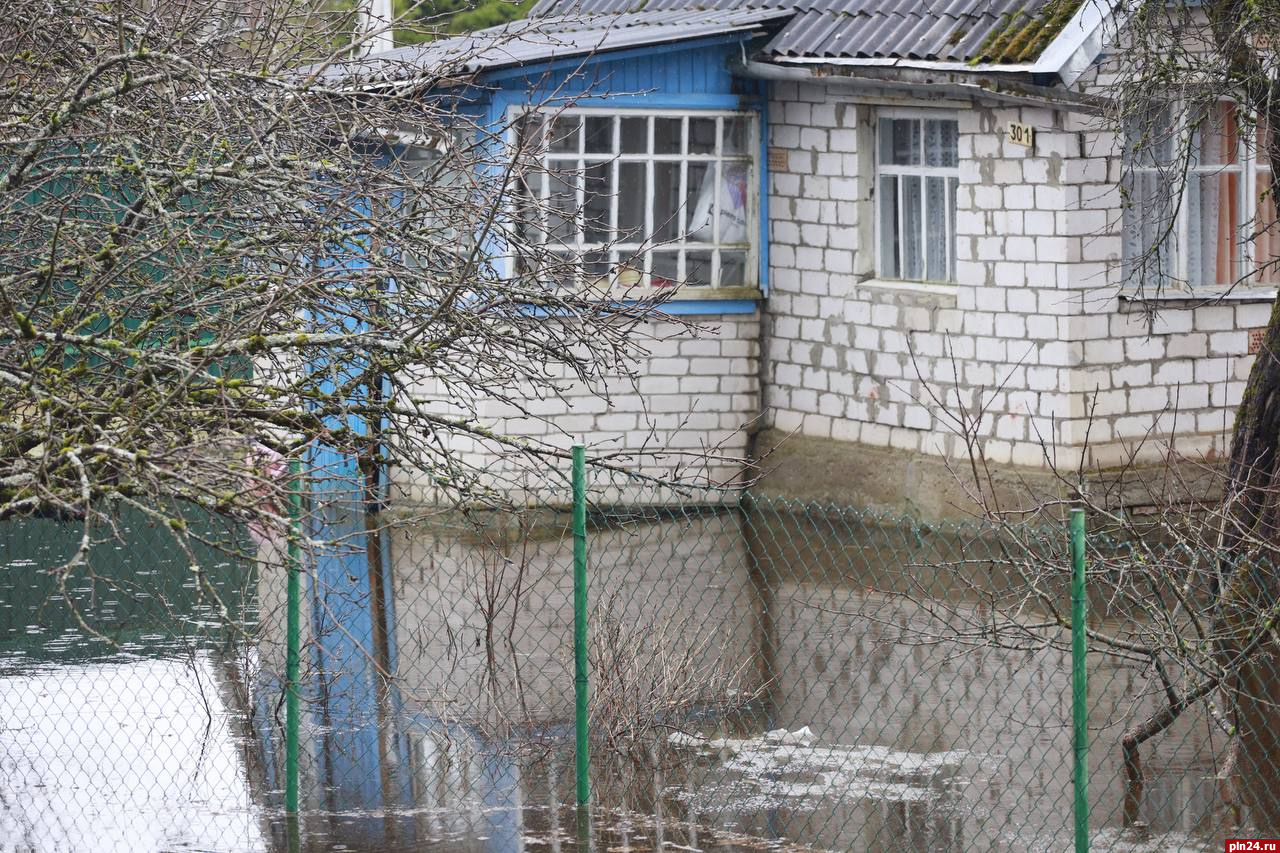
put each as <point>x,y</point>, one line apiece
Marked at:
<point>1032,337</point>
<point>696,389</point>
<point>1175,376</point>
<point>1032,340</point>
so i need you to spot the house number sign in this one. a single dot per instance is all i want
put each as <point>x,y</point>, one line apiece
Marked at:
<point>1021,134</point>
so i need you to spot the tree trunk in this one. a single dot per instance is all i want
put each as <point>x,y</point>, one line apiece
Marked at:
<point>1248,583</point>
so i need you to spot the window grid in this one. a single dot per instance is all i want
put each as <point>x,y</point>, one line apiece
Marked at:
<point>566,154</point>
<point>1251,202</point>
<point>894,177</point>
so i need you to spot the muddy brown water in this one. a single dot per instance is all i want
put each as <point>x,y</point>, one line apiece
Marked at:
<point>910,746</point>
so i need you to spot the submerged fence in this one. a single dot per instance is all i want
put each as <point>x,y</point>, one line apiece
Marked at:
<point>741,669</point>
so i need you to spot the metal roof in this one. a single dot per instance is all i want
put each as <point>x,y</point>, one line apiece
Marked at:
<point>965,31</point>
<point>550,37</point>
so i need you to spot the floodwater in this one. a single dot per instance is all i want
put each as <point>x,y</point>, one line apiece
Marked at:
<point>123,754</point>
<point>797,710</point>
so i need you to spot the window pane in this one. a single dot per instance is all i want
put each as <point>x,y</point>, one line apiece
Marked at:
<point>702,136</point>
<point>1261,143</point>
<point>912,219</point>
<point>1229,228</point>
<point>697,268</point>
<point>1214,141</point>
<point>630,270</point>
<point>734,190</point>
<point>532,130</point>
<point>667,135</point>
<point>560,270</point>
<point>598,198</point>
<point>666,201</point>
<point>940,143</point>
<point>1148,247</point>
<point>1149,136</point>
<point>733,268</point>
<point>565,133</point>
<point>735,135</point>
<point>699,206</point>
<point>954,185</point>
<point>666,269</point>
<point>530,208</point>
<point>1266,243</point>
<point>563,203</point>
<point>936,243</point>
<point>599,135</point>
<point>1213,228</point>
<point>635,135</point>
<point>596,265</point>
<point>1265,228</point>
<point>888,192</point>
<point>900,142</point>
<point>632,201</point>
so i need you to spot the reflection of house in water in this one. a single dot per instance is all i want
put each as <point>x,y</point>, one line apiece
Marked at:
<point>955,747</point>
<point>484,623</point>
<point>919,826</point>
<point>912,746</point>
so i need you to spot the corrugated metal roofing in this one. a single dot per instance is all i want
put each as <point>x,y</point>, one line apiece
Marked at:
<point>552,37</point>
<point>974,31</point>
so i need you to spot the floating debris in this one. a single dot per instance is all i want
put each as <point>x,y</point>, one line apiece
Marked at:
<point>783,766</point>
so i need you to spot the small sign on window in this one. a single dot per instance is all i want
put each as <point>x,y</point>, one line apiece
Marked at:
<point>1021,134</point>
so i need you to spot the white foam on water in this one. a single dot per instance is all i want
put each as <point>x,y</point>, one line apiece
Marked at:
<point>783,767</point>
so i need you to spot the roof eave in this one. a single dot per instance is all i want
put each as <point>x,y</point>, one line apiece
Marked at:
<point>1074,50</point>
<point>921,64</point>
<point>503,70</point>
<point>482,67</point>
<point>966,84</point>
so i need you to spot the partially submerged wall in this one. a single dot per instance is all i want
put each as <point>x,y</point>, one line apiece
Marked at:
<point>691,390</point>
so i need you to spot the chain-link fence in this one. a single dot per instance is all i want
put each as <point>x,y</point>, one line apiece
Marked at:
<point>763,674</point>
<point>120,677</point>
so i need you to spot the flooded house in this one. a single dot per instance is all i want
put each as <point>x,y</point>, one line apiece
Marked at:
<point>893,226</point>
<point>873,223</point>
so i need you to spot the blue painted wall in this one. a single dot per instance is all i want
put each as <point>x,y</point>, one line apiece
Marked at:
<point>685,75</point>
<point>361,771</point>
<point>354,711</point>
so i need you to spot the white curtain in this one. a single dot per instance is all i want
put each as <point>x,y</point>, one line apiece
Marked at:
<point>732,203</point>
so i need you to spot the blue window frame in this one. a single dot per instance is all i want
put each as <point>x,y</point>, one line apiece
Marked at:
<point>647,200</point>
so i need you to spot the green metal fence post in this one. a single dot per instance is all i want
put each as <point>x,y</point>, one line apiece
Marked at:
<point>1079,684</point>
<point>580,618</point>
<point>293,652</point>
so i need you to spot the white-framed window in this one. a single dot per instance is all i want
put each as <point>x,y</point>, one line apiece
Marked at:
<point>1200,213</point>
<point>917,175</point>
<point>428,161</point>
<point>649,199</point>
